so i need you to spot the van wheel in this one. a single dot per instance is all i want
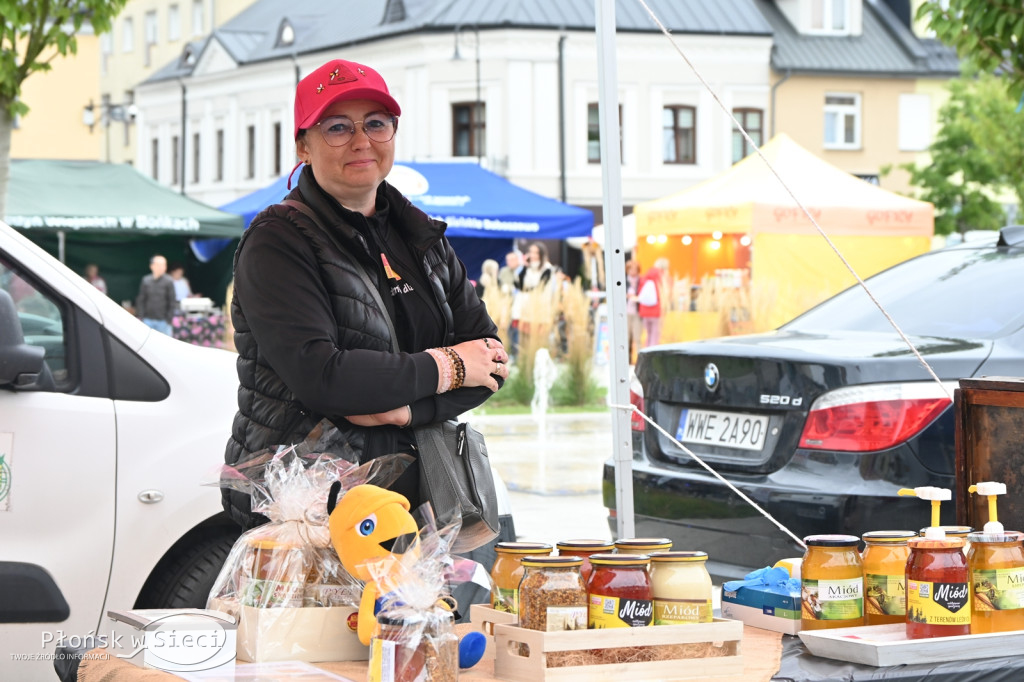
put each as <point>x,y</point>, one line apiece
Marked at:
<point>185,576</point>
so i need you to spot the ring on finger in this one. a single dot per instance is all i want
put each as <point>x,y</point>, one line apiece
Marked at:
<point>487,343</point>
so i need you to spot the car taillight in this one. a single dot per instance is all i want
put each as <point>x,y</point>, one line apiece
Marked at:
<point>869,418</point>
<point>636,399</point>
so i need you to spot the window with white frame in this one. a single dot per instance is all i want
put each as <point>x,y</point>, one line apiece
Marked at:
<point>127,35</point>
<point>196,156</point>
<point>276,137</point>
<point>175,159</point>
<point>679,134</point>
<point>830,16</point>
<point>842,120</point>
<point>218,173</point>
<point>149,29</point>
<point>197,17</point>
<point>173,23</point>
<point>250,137</point>
<point>752,121</point>
<point>915,122</point>
<point>155,158</point>
<point>594,133</point>
<point>106,49</point>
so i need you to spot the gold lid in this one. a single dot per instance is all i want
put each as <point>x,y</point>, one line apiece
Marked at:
<point>596,545</point>
<point>523,547</point>
<point>678,557</point>
<point>620,559</point>
<point>642,544</point>
<point>935,543</point>
<point>889,536</point>
<point>552,561</point>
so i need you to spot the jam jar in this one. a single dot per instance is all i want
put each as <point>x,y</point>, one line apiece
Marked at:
<point>507,572</point>
<point>552,594</point>
<point>832,584</point>
<point>619,591</point>
<point>584,549</point>
<point>885,576</point>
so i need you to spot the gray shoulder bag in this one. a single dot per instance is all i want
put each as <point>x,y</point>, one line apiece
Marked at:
<point>455,471</point>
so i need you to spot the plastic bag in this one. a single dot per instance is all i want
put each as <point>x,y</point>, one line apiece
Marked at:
<point>416,635</point>
<point>290,563</point>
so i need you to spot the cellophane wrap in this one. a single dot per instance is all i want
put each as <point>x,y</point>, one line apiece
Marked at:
<point>415,617</point>
<point>290,563</point>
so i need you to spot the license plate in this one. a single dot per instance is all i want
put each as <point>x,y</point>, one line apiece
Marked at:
<point>725,429</point>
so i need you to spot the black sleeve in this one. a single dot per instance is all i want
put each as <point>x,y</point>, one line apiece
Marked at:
<point>171,300</point>
<point>471,322</point>
<point>140,299</point>
<point>286,306</point>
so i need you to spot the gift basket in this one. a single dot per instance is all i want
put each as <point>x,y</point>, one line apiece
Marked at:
<point>283,581</point>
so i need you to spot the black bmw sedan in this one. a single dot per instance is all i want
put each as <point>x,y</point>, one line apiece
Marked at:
<point>823,420</point>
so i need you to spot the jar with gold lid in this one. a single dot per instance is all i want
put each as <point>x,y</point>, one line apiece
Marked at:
<point>885,582</point>
<point>584,549</point>
<point>619,591</point>
<point>832,583</point>
<point>642,545</point>
<point>552,594</point>
<point>680,588</point>
<point>507,572</point>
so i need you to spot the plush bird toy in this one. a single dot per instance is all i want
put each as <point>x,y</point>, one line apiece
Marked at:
<point>365,526</point>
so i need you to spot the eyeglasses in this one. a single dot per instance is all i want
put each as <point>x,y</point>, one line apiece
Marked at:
<point>338,130</point>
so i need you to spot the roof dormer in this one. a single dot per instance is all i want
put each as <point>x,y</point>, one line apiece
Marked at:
<point>285,34</point>
<point>824,17</point>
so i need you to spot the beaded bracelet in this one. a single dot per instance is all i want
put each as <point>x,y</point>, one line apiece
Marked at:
<point>459,365</point>
<point>445,369</point>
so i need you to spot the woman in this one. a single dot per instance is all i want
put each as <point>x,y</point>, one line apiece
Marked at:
<point>538,268</point>
<point>312,342</point>
<point>488,277</point>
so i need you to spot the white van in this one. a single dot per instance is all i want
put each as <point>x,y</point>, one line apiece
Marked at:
<point>107,432</point>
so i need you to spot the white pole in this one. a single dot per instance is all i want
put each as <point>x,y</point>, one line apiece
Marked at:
<point>615,265</point>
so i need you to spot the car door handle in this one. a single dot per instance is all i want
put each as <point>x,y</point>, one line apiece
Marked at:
<point>151,496</point>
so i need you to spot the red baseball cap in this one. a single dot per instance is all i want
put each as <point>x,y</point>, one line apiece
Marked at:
<point>336,81</point>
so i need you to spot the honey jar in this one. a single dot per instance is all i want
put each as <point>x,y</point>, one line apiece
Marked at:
<point>619,591</point>
<point>938,588</point>
<point>507,572</point>
<point>832,585</point>
<point>277,575</point>
<point>583,549</point>
<point>885,572</point>
<point>996,563</point>
<point>680,588</point>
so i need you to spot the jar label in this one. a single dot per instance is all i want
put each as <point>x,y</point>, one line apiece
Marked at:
<point>833,599</point>
<point>938,603</point>
<point>1000,589</point>
<point>506,600</point>
<point>613,612</point>
<point>382,660</point>
<point>566,618</point>
<point>885,594</point>
<point>268,594</point>
<point>682,611</point>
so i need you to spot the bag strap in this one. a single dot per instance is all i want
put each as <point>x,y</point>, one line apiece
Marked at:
<point>374,291</point>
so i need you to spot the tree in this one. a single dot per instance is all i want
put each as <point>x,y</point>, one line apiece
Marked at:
<point>978,152</point>
<point>32,34</point>
<point>987,33</point>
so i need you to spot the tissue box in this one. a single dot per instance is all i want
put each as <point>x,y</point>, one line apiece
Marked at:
<point>763,609</point>
<point>175,640</point>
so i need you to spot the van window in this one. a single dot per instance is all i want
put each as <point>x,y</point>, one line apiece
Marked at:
<point>42,320</point>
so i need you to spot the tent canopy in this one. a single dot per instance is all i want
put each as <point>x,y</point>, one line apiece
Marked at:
<point>95,197</point>
<point>749,198</point>
<point>117,218</point>
<point>792,267</point>
<point>472,200</point>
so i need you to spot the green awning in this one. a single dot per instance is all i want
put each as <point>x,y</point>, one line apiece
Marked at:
<point>78,197</point>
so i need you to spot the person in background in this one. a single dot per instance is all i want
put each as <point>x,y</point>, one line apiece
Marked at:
<point>312,341</point>
<point>182,289</point>
<point>538,270</point>
<point>649,301</point>
<point>633,322</point>
<point>488,277</point>
<point>92,275</point>
<point>508,275</point>
<point>156,301</point>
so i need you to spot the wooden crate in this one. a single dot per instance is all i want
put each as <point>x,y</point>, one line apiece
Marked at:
<point>483,619</point>
<point>530,655</point>
<point>989,430</point>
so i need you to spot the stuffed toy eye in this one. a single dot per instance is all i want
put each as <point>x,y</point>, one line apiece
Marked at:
<point>366,526</point>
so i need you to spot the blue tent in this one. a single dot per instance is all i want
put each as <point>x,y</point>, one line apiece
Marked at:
<point>475,203</point>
